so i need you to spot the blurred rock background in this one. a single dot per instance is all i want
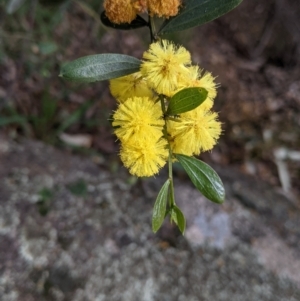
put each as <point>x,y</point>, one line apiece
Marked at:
<point>75,226</point>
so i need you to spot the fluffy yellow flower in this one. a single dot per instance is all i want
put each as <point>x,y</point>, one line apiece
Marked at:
<point>144,158</point>
<point>206,81</point>
<point>163,66</point>
<point>164,8</point>
<point>129,86</point>
<point>194,131</point>
<point>137,119</point>
<point>120,11</point>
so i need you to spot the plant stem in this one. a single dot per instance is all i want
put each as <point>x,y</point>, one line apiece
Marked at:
<point>162,103</point>
<point>153,35</point>
<point>172,194</point>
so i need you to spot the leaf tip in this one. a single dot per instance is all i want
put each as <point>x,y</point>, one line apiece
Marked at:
<point>154,230</point>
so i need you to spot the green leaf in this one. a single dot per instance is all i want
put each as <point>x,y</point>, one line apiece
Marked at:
<point>47,47</point>
<point>78,188</point>
<point>100,67</point>
<point>74,117</point>
<point>45,194</point>
<point>186,100</point>
<point>197,12</point>
<point>204,178</point>
<point>160,205</point>
<point>138,22</point>
<point>17,119</point>
<point>178,218</point>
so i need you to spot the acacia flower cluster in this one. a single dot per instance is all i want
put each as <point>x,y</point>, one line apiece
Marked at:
<point>148,137</point>
<point>125,11</point>
<point>139,124</point>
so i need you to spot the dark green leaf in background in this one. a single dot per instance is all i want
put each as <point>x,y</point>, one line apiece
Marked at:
<point>178,218</point>
<point>138,22</point>
<point>160,205</point>
<point>100,67</point>
<point>18,119</point>
<point>74,117</point>
<point>204,178</point>
<point>78,188</point>
<point>43,204</point>
<point>197,12</point>
<point>186,100</point>
<point>47,48</point>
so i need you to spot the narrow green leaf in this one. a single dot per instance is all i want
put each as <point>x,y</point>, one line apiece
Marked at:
<point>12,119</point>
<point>178,218</point>
<point>100,67</point>
<point>47,47</point>
<point>204,178</point>
<point>74,117</point>
<point>138,22</point>
<point>186,100</point>
<point>48,106</point>
<point>197,12</point>
<point>160,205</point>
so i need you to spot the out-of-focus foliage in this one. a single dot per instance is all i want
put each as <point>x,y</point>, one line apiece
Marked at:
<point>34,36</point>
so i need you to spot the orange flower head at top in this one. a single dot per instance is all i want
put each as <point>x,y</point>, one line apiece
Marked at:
<point>120,11</point>
<point>164,8</point>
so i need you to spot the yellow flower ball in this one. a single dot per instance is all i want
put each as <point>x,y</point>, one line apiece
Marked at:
<point>120,11</point>
<point>194,131</point>
<point>129,86</point>
<point>144,158</point>
<point>164,65</point>
<point>138,118</point>
<point>206,81</point>
<point>164,8</point>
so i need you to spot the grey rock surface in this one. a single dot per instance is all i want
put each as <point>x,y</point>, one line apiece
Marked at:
<point>71,230</point>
